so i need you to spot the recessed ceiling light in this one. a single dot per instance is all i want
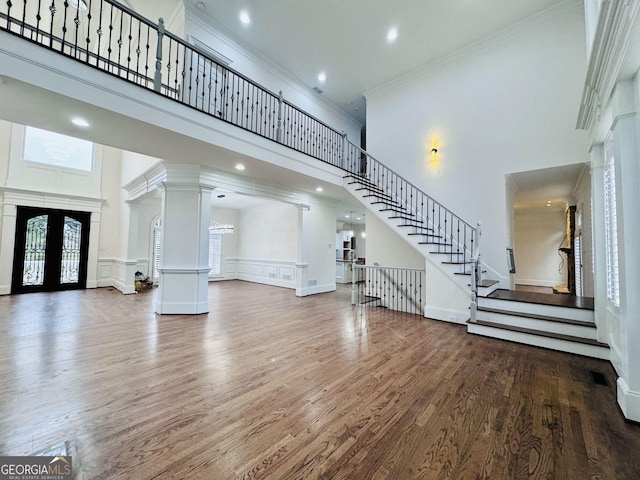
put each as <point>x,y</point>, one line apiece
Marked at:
<point>322,77</point>
<point>80,122</point>
<point>201,6</point>
<point>240,167</point>
<point>392,34</point>
<point>244,17</point>
<point>346,216</point>
<point>319,189</point>
<point>358,218</point>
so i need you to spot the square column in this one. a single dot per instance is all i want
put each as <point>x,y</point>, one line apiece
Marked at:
<point>184,262</point>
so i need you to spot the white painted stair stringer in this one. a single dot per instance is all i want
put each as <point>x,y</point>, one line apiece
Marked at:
<point>424,249</point>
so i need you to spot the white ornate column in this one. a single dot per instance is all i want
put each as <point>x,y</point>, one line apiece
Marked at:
<point>302,260</point>
<point>184,268</point>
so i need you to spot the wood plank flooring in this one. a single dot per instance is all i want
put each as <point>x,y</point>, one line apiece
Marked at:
<point>268,385</point>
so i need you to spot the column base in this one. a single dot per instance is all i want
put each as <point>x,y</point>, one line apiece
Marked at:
<point>183,292</point>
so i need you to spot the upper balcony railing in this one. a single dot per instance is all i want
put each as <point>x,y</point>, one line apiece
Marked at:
<point>111,37</point>
<point>107,35</point>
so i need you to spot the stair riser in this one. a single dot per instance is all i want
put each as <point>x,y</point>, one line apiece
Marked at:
<point>484,291</point>
<point>537,324</point>
<point>536,309</point>
<point>537,341</point>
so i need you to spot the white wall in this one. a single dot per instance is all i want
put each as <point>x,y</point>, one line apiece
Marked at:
<point>538,235</point>
<point>386,248</point>
<point>316,249</point>
<point>269,232</point>
<point>507,105</point>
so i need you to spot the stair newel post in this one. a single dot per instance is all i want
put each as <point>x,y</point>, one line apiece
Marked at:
<point>343,151</point>
<point>477,255</point>
<point>157,76</point>
<point>279,127</point>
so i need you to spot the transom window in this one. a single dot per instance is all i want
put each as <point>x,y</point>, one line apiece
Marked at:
<point>56,150</point>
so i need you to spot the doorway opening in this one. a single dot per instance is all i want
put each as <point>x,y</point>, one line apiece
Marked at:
<point>51,250</point>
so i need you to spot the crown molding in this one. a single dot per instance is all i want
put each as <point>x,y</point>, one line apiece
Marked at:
<point>498,38</point>
<point>610,45</point>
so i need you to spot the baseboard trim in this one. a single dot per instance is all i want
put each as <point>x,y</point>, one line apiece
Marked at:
<point>628,400</point>
<point>182,308</point>
<point>446,315</point>
<point>303,292</point>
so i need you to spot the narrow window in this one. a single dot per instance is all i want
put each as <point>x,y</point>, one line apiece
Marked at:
<point>611,228</point>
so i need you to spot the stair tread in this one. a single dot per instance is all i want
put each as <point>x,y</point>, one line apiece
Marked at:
<point>457,263</point>
<point>486,283</point>
<point>541,333</point>
<point>399,210</point>
<point>407,217</point>
<point>390,203</point>
<point>448,253</point>
<point>538,317</point>
<point>583,303</point>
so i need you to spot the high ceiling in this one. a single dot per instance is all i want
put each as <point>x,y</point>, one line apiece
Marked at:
<point>347,39</point>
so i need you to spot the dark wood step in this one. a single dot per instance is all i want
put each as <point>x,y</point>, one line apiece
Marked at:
<point>398,210</point>
<point>486,283</point>
<point>456,263</point>
<point>535,316</point>
<point>435,243</point>
<point>585,303</point>
<point>383,196</point>
<point>447,253</point>
<point>390,203</point>
<point>410,219</point>
<point>469,274</point>
<point>542,333</point>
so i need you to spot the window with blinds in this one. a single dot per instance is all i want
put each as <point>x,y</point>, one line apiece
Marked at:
<point>611,229</point>
<point>156,249</point>
<point>215,252</point>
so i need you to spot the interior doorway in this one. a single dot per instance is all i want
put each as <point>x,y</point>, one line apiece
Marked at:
<point>51,250</point>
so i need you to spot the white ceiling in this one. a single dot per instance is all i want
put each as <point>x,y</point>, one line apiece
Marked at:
<point>533,189</point>
<point>347,38</point>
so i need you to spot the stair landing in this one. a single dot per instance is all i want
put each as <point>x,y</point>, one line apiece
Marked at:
<point>570,301</point>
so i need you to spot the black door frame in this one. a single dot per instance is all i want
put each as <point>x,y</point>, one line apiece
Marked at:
<point>53,250</point>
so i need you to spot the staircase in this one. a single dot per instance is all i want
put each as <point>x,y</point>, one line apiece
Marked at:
<point>425,224</point>
<point>557,322</point>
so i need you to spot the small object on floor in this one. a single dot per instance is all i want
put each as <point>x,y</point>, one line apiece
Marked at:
<point>561,289</point>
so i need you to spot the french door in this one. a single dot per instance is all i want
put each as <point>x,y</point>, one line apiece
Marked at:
<point>51,250</point>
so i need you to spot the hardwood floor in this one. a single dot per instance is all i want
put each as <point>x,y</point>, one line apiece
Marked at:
<point>268,385</point>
